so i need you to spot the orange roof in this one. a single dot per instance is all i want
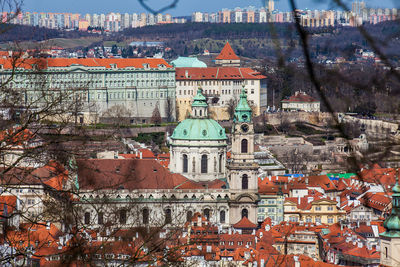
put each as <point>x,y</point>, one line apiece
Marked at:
<point>227,53</point>
<point>134,174</point>
<point>217,73</point>
<point>16,136</point>
<point>44,63</point>
<point>300,97</point>
<point>244,223</point>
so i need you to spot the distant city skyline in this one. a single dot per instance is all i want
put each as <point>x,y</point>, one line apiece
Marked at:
<point>184,7</point>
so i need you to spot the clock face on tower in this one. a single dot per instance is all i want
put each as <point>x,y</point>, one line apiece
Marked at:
<point>244,127</point>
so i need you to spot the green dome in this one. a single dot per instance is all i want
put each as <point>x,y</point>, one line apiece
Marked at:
<point>392,223</point>
<point>188,62</point>
<point>199,129</point>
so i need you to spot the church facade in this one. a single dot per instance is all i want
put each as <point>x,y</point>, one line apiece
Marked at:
<point>133,192</point>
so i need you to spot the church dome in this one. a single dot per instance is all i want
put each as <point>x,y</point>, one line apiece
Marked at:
<point>199,129</point>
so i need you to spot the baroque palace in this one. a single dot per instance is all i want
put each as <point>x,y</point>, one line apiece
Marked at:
<point>137,86</point>
<point>199,180</point>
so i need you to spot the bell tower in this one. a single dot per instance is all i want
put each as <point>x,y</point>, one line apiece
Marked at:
<point>390,240</point>
<point>243,169</point>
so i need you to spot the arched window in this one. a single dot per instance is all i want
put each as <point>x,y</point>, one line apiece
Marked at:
<point>145,215</point>
<point>122,216</point>
<point>189,215</point>
<point>244,146</point>
<point>220,163</point>
<point>100,219</point>
<point>168,216</point>
<point>201,113</point>
<point>207,213</point>
<point>245,182</point>
<point>204,164</point>
<point>185,163</point>
<point>87,217</point>
<point>222,216</point>
<point>245,213</point>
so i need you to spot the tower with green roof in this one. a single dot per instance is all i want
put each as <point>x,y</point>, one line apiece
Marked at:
<point>390,239</point>
<point>243,111</point>
<point>243,169</point>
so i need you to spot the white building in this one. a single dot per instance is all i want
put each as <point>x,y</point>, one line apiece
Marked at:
<point>300,101</point>
<point>136,85</point>
<point>142,192</point>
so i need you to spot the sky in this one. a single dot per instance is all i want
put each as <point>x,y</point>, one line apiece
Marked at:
<point>183,8</point>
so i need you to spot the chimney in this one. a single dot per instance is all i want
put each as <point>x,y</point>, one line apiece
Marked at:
<point>48,226</point>
<point>360,244</point>
<point>298,200</point>
<point>306,180</point>
<point>186,74</point>
<point>141,154</point>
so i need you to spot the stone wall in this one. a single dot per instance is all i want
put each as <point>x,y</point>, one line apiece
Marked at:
<point>317,118</point>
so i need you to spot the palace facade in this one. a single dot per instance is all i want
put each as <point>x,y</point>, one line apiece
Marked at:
<point>129,88</point>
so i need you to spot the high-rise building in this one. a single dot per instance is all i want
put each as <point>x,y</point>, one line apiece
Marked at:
<point>269,5</point>
<point>357,7</point>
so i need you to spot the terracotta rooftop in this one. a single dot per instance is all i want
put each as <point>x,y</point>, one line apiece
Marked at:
<point>227,53</point>
<point>108,63</point>
<point>300,97</point>
<point>244,223</point>
<point>134,174</point>
<point>217,73</point>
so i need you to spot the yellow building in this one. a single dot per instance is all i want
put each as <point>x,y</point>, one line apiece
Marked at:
<point>311,209</point>
<point>222,87</point>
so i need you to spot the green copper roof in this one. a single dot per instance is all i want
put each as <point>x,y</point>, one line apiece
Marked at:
<point>243,111</point>
<point>392,223</point>
<point>199,129</point>
<point>199,100</point>
<point>188,62</point>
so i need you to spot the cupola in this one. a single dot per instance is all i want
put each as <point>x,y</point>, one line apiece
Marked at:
<point>199,106</point>
<point>243,111</point>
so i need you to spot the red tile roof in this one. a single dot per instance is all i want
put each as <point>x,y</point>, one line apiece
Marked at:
<point>134,174</point>
<point>217,73</point>
<point>36,176</point>
<point>227,53</point>
<point>44,63</point>
<point>244,223</point>
<point>300,97</point>
<point>16,136</point>
<point>378,201</point>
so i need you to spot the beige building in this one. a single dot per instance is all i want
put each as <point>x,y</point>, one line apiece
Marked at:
<point>300,101</point>
<point>221,86</point>
<point>312,210</point>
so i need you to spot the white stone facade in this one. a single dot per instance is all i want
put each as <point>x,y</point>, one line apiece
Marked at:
<point>215,151</point>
